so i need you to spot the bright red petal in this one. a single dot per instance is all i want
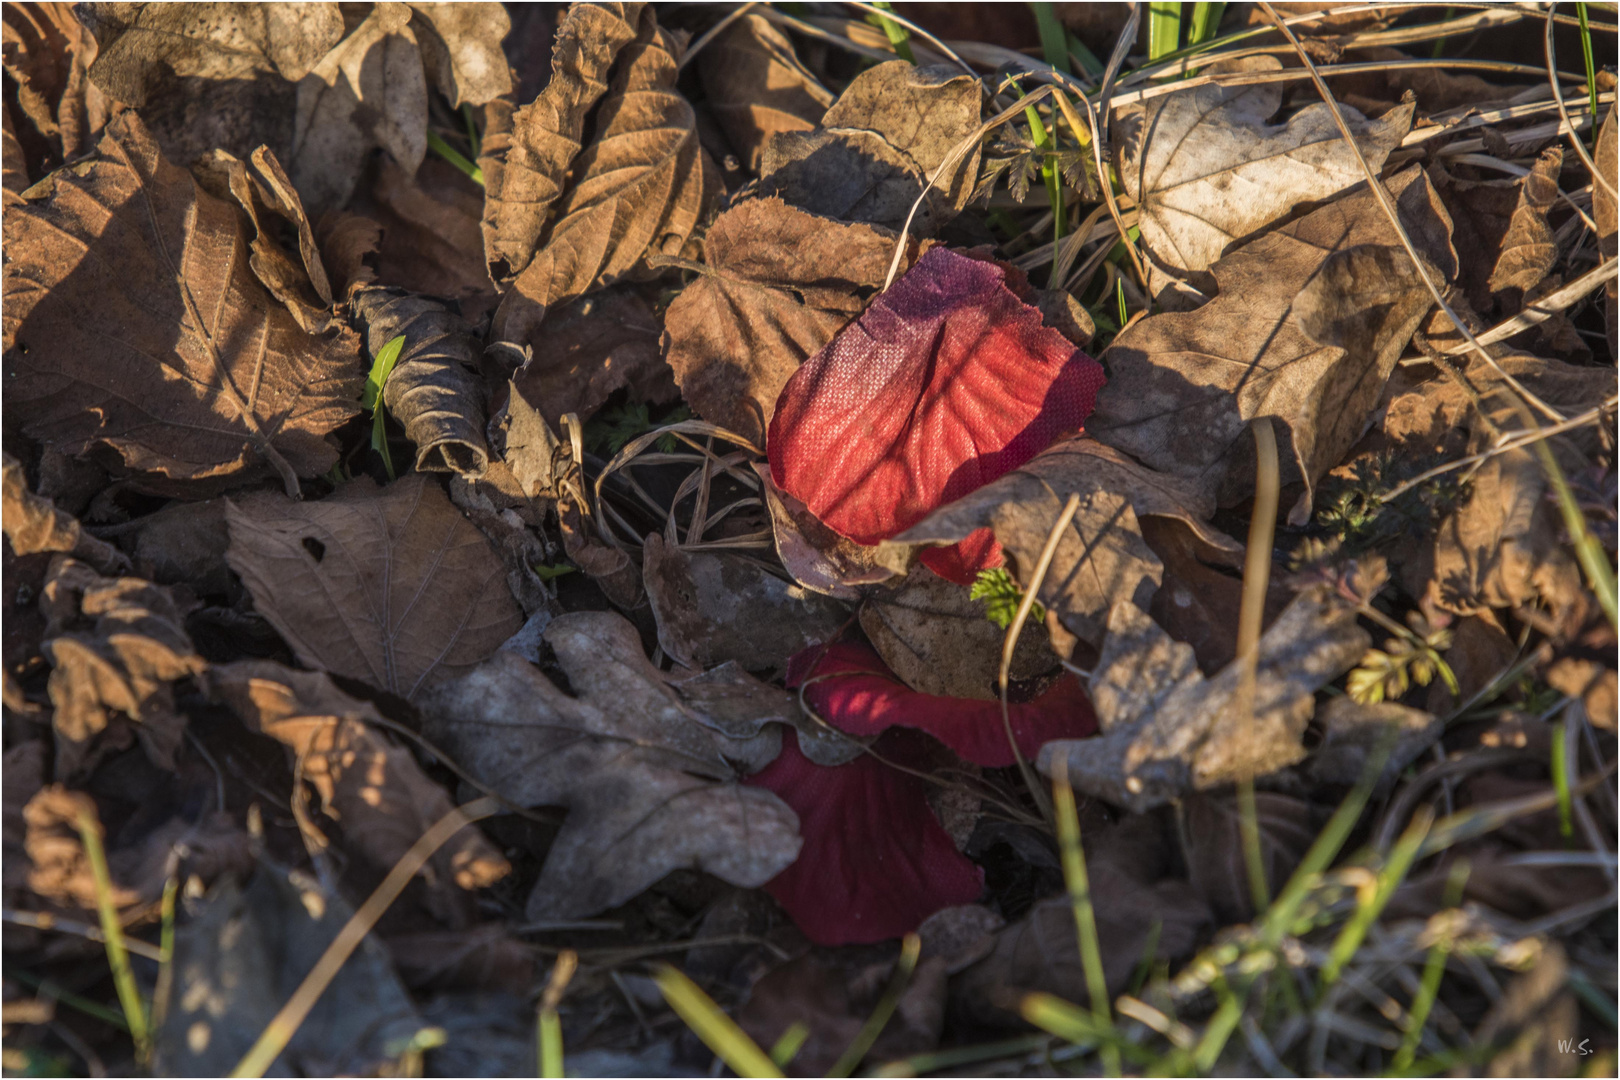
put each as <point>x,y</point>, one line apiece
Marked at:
<point>962,561</point>
<point>875,861</point>
<point>862,697</point>
<point>945,383</point>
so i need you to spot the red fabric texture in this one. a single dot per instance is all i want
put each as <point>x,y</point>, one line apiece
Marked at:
<point>875,861</point>
<point>863,697</point>
<point>945,383</point>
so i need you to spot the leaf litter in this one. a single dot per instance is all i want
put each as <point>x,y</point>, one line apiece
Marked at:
<point>743,690</point>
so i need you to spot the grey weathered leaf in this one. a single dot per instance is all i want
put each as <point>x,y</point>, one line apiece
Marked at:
<point>1168,731</point>
<point>648,786</point>
<point>434,390</point>
<point>1206,169</point>
<point>1353,733</point>
<point>592,347</point>
<point>388,585</point>
<point>1183,386</point>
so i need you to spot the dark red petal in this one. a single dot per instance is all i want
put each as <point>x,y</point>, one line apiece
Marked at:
<point>875,861</point>
<point>962,561</point>
<point>853,690</point>
<point>945,383</point>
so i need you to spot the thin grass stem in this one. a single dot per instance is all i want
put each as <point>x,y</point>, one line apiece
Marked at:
<point>129,995</point>
<point>855,1053</point>
<point>718,1031</point>
<point>1073,859</point>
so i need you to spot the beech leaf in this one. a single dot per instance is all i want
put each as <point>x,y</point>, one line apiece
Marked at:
<point>648,785</point>
<point>1184,386</point>
<point>107,279</point>
<point>1207,169</point>
<point>388,585</point>
<point>778,284</point>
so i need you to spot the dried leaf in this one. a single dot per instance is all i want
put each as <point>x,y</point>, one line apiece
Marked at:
<point>374,790</point>
<point>648,786</point>
<point>257,388</point>
<point>461,50</point>
<point>638,186</point>
<point>592,347</point>
<point>944,384</point>
<point>1212,842</point>
<point>936,638</point>
<point>875,861</point>
<point>47,52</point>
<point>820,559</point>
<point>1207,170</point>
<point>1352,733</point>
<point>1529,250</point>
<point>369,91</point>
<point>116,646</point>
<point>434,390</point>
<point>717,606</point>
<point>779,284</point>
<point>33,524</point>
<point>1184,385</point>
<point>1102,555</point>
<point>527,155</point>
<point>245,951</point>
<point>388,585</point>
<point>300,285</point>
<point>145,45</point>
<point>756,87</point>
<point>1167,731</point>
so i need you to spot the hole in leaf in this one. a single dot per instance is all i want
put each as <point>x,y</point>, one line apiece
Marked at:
<point>316,549</point>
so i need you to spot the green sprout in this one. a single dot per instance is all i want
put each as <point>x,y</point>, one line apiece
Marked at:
<point>381,368</point>
<point>1001,596</point>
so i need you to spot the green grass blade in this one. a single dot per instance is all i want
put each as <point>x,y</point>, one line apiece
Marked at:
<point>1588,548</point>
<point>129,995</point>
<point>1073,858</point>
<point>1054,39</point>
<point>1089,62</point>
<point>1390,877</point>
<point>1206,19</point>
<point>919,1064</point>
<point>548,1022</point>
<point>1433,969</point>
<point>717,1030</point>
<point>93,1009</point>
<point>1591,71</point>
<point>1560,779</point>
<point>381,368</point>
<point>910,949</point>
<point>454,157</point>
<point>1164,28</point>
<point>785,1049</point>
<point>899,36</point>
<point>1064,1019</point>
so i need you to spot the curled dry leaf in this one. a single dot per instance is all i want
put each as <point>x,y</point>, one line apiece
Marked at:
<point>47,51</point>
<point>638,186</point>
<point>388,585</point>
<point>1207,169</point>
<point>936,638</point>
<point>1168,731</point>
<point>1102,556</point>
<point>33,524</point>
<point>878,144</point>
<point>1605,217</point>
<point>144,46</point>
<point>375,791</point>
<point>1212,843</point>
<point>1184,386</point>
<point>945,383</point>
<point>107,277</point>
<point>527,155</point>
<point>369,91</point>
<point>461,50</point>
<point>270,201</point>
<point>713,606</point>
<point>778,284</point>
<point>818,558</point>
<point>434,390</point>
<point>1528,250</point>
<point>756,87</point>
<point>116,647</point>
<point>648,786</point>
<point>245,951</point>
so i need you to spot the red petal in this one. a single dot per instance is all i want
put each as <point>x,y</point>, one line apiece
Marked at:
<point>962,561</point>
<point>864,698</point>
<point>945,383</point>
<point>875,861</point>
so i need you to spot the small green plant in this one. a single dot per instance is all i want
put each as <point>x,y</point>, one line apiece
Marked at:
<point>552,573</point>
<point>1413,656</point>
<point>1001,596</point>
<point>1359,513</point>
<point>381,368</point>
<point>607,432</point>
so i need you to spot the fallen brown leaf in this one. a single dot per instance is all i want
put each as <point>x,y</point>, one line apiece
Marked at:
<point>430,240</point>
<point>1102,555</point>
<point>388,585</point>
<point>819,558</point>
<point>271,204</point>
<point>1353,735</point>
<point>259,390</point>
<point>638,186</point>
<point>434,390</point>
<point>1528,250</point>
<point>592,347</point>
<point>1183,386</point>
<point>116,646</point>
<point>756,87</point>
<point>1212,843</point>
<point>461,50</point>
<point>47,51</point>
<point>33,524</point>
<point>648,786</point>
<point>1167,731</point>
<point>375,791</point>
<point>778,284</point>
<point>714,606</point>
<point>1604,216</point>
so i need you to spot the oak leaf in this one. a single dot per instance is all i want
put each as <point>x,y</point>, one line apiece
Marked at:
<point>108,278</point>
<point>388,585</point>
<point>649,786</point>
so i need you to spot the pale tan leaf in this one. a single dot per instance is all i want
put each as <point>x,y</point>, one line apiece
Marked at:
<point>133,321</point>
<point>461,49</point>
<point>1529,250</point>
<point>33,524</point>
<point>388,585</point>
